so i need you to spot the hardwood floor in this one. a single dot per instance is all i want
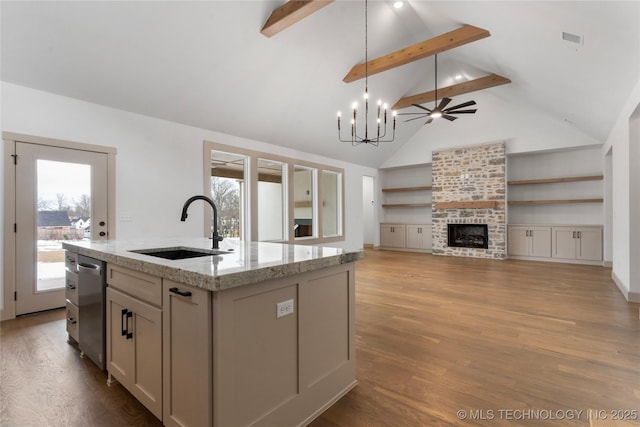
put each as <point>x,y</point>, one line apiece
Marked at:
<point>503,341</point>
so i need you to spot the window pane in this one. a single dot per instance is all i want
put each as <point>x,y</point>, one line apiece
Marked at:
<point>303,195</point>
<point>64,214</point>
<point>271,200</point>
<point>228,192</point>
<point>331,203</point>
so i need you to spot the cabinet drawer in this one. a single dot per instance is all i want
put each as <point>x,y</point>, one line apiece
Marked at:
<point>72,320</point>
<point>143,286</point>
<point>71,286</point>
<point>71,261</point>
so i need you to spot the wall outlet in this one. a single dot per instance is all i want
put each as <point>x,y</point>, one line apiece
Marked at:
<point>284,308</point>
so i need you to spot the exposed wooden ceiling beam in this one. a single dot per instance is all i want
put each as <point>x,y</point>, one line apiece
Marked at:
<point>289,13</point>
<point>463,35</point>
<point>449,91</point>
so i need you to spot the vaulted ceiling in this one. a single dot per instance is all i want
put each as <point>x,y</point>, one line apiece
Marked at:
<point>206,64</point>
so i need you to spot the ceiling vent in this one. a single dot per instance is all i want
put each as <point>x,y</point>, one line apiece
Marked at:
<point>572,38</point>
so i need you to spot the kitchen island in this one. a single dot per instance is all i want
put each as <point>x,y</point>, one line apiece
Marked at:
<point>260,334</point>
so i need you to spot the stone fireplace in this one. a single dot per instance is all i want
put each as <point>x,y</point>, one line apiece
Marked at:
<point>468,210</point>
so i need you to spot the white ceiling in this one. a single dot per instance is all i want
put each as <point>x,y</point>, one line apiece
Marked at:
<point>206,64</point>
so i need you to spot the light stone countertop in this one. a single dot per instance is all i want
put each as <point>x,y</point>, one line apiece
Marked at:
<point>250,262</point>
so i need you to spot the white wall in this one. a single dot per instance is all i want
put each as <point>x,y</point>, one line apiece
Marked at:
<point>159,163</point>
<point>523,129</point>
<point>625,196</point>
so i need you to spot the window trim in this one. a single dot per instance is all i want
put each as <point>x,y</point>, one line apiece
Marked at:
<point>253,157</point>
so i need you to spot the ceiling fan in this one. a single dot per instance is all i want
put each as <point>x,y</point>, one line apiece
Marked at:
<point>439,110</point>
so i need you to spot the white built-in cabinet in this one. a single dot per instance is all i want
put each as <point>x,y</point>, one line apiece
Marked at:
<point>419,236</point>
<point>393,235</point>
<point>562,243</point>
<point>577,243</point>
<point>406,236</point>
<point>529,240</point>
<point>134,334</point>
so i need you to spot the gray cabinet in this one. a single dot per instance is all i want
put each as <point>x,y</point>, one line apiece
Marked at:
<point>134,335</point>
<point>579,243</point>
<point>529,240</point>
<point>187,357</point>
<point>393,236</point>
<point>419,236</point>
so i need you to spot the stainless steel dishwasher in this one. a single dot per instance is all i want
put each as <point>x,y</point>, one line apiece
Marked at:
<point>91,308</point>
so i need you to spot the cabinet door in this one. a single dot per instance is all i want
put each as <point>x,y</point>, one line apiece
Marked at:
<point>589,244</point>
<point>118,347</point>
<point>134,348</point>
<point>540,241</point>
<point>186,356</point>
<point>518,240</point>
<point>146,356</point>
<point>564,242</point>
<point>414,237</point>
<point>386,235</point>
<point>399,236</point>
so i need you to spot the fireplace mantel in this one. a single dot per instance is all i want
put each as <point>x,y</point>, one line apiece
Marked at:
<point>477,204</point>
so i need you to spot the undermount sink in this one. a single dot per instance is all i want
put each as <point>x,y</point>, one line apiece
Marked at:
<point>180,252</point>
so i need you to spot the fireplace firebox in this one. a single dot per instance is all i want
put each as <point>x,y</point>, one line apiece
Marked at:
<point>468,236</point>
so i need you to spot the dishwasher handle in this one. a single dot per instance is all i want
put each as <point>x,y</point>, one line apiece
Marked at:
<point>84,268</point>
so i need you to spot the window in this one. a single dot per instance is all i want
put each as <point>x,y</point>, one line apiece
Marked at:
<point>228,192</point>
<point>264,197</point>
<point>331,203</point>
<point>304,191</point>
<point>272,196</point>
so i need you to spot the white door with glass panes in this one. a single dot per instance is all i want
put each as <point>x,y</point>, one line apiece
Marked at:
<point>61,195</point>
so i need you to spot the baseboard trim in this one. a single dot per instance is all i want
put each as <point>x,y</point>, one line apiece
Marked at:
<point>557,260</point>
<point>624,289</point>
<point>608,264</point>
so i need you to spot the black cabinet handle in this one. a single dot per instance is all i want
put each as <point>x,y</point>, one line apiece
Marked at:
<point>102,234</point>
<point>179,292</point>
<point>123,320</point>
<point>71,285</point>
<point>129,316</point>
<point>71,320</point>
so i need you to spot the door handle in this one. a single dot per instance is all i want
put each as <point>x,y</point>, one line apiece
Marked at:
<point>181,293</point>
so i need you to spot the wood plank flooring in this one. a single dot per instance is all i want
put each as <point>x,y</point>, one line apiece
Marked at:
<point>503,341</point>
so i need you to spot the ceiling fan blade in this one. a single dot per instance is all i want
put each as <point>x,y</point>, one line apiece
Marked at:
<point>462,112</point>
<point>420,106</point>
<point>428,121</point>
<point>419,117</point>
<point>443,103</point>
<point>450,118</point>
<point>464,104</point>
